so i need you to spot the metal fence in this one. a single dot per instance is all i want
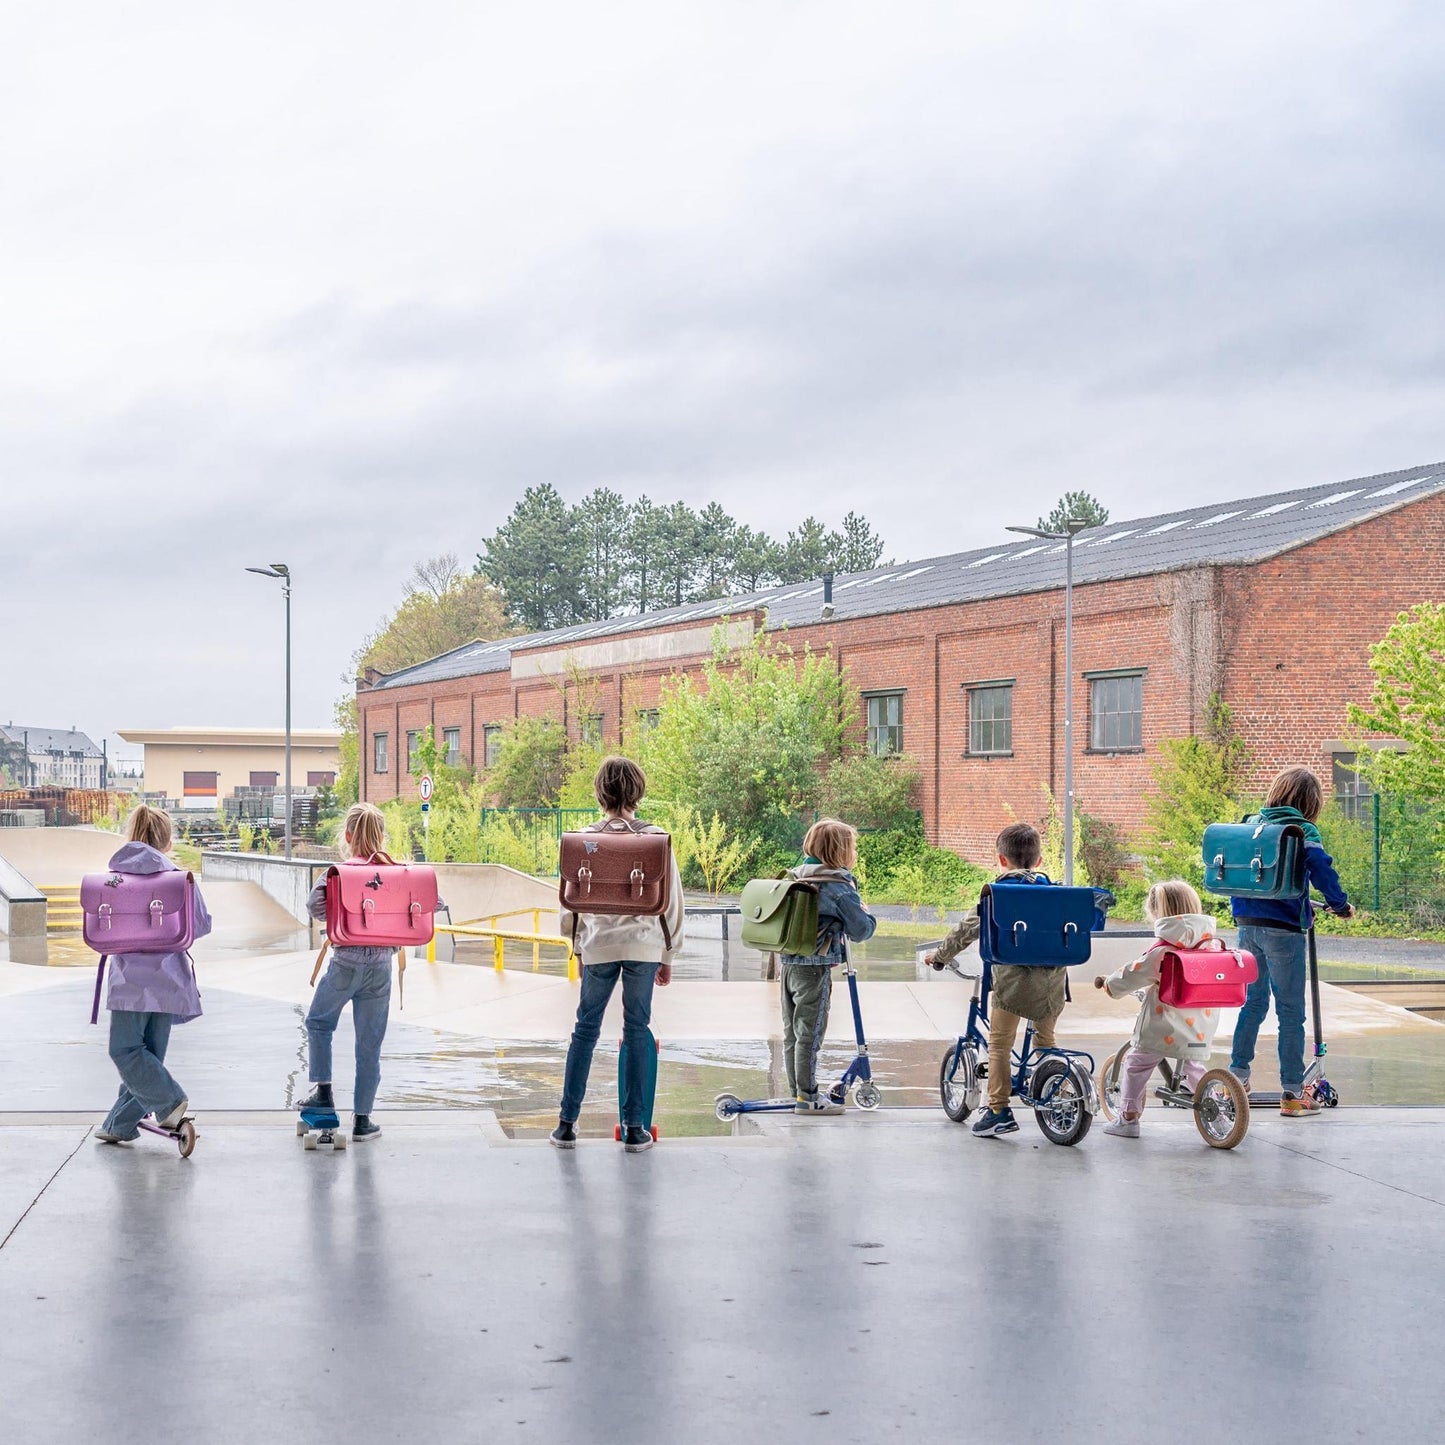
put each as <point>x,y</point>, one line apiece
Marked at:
<point>1387,853</point>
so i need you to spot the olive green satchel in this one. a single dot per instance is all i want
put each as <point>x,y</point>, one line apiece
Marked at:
<point>780,915</point>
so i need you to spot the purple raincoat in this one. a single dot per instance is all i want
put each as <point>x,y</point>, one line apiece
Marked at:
<point>161,983</point>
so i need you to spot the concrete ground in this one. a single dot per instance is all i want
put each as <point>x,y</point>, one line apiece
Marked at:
<point>876,1277</point>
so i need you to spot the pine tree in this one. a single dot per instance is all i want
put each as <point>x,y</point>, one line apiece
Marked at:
<point>756,560</point>
<point>677,555</point>
<point>640,547</point>
<point>717,535</point>
<point>808,552</point>
<point>1078,507</point>
<point>538,558</point>
<point>603,518</point>
<point>859,547</point>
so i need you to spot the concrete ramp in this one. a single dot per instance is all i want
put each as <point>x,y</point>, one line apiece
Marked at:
<point>48,856</point>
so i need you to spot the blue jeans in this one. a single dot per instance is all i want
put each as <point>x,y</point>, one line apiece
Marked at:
<point>138,1044</point>
<point>367,987</point>
<point>1282,957</point>
<point>598,981</point>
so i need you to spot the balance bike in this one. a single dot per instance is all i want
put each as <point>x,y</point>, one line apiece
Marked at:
<point>649,1086</point>
<point>321,1129</point>
<point>1220,1104</point>
<point>858,1076</point>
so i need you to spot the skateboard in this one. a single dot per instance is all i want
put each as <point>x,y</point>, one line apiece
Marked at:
<point>649,1086</point>
<point>183,1135</point>
<point>321,1129</point>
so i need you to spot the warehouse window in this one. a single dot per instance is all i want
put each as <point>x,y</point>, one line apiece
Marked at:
<point>591,727</point>
<point>491,744</point>
<point>647,718</point>
<point>885,723</point>
<point>1352,791</point>
<point>379,763</point>
<point>413,737</point>
<point>263,780</point>
<point>1116,712</point>
<point>452,742</point>
<point>991,720</point>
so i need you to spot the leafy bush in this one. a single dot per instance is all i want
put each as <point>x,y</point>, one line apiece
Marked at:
<point>871,792</point>
<point>708,850</point>
<point>900,866</point>
<point>1100,847</point>
<point>531,764</point>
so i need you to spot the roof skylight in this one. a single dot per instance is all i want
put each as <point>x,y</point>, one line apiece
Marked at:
<point>1336,497</point>
<point>1399,486</point>
<point>992,557</point>
<point>1112,537</point>
<point>1218,517</point>
<point>1167,527</point>
<point>1272,511</point>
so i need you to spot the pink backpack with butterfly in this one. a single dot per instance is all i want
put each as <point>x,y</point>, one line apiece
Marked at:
<point>1206,977</point>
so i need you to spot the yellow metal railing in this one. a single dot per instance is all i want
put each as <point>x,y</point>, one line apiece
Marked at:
<point>483,928</point>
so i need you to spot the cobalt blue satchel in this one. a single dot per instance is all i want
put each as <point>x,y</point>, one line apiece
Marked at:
<point>1255,859</point>
<point>1041,924</point>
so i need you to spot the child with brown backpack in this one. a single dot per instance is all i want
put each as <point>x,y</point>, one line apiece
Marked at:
<point>622,905</point>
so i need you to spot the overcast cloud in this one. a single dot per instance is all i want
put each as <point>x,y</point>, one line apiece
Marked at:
<point>330,284</point>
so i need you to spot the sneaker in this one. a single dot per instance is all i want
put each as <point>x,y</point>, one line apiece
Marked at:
<point>174,1118</point>
<point>995,1122</point>
<point>1242,1075</point>
<point>318,1098</point>
<point>106,1137</point>
<point>363,1128</point>
<point>1292,1106</point>
<point>817,1107</point>
<point>636,1139</point>
<point>1123,1128</point>
<point>564,1136</point>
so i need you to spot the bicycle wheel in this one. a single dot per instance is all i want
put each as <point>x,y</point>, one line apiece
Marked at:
<point>1221,1109</point>
<point>1111,1083</point>
<point>1060,1088</point>
<point>958,1082</point>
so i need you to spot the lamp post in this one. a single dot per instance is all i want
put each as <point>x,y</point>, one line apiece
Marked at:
<point>1071,526</point>
<point>281,570</point>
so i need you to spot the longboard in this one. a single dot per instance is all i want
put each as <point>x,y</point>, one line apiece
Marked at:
<point>649,1085</point>
<point>321,1129</point>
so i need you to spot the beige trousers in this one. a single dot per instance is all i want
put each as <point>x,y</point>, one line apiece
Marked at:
<point>1003,1029</point>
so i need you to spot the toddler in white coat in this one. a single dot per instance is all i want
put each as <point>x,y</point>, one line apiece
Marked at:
<point>1161,1031</point>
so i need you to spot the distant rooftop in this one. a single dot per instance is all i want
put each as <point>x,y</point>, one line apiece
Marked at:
<point>232,737</point>
<point>1249,530</point>
<point>51,740</point>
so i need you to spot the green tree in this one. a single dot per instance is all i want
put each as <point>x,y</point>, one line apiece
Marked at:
<point>676,555</point>
<point>531,764</point>
<point>443,608</point>
<point>1197,781</point>
<point>716,537</point>
<point>538,557</point>
<point>640,548</point>
<point>1407,703</point>
<point>859,547</point>
<point>755,560</point>
<point>1075,506</point>
<point>872,792</point>
<point>602,517</point>
<point>748,738</point>
<point>348,777</point>
<point>808,552</point>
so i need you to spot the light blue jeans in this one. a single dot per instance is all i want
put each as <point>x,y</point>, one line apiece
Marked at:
<point>138,1043</point>
<point>598,981</point>
<point>1282,957</point>
<point>367,987</point>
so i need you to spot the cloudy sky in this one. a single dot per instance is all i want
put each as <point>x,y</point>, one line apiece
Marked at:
<point>331,283</point>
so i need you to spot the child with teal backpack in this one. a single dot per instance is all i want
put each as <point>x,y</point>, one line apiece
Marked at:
<point>1275,931</point>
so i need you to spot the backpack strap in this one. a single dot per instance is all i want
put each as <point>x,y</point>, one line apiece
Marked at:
<point>401,978</point>
<point>320,959</point>
<point>99,975</point>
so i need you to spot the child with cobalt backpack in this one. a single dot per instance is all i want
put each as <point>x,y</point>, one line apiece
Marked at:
<point>807,985</point>
<point>1275,931</point>
<point>1018,991</point>
<point>1161,1031</point>
<point>360,976</point>
<point>148,993</point>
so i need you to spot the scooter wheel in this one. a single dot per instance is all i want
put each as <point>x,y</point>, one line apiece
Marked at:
<point>867,1096</point>
<point>186,1138</point>
<point>617,1133</point>
<point>727,1106</point>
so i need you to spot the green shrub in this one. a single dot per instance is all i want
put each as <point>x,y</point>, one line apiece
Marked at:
<point>871,792</point>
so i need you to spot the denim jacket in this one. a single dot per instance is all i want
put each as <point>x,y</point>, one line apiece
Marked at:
<point>840,912</point>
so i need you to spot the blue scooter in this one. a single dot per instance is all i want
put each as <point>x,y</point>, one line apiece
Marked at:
<point>858,1076</point>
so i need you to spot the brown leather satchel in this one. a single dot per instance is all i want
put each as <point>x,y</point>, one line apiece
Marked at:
<point>617,867</point>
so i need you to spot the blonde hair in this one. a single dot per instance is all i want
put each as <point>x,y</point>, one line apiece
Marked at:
<point>364,830</point>
<point>1170,898</point>
<point>620,785</point>
<point>149,825</point>
<point>1297,788</point>
<point>832,843</point>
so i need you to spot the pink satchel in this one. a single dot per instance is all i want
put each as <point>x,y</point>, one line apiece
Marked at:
<point>1206,977</point>
<point>136,913</point>
<point>379,903</point>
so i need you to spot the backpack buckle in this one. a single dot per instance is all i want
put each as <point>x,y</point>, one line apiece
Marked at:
<point>637,880</point>
<point>1019,927</point>
<point>157,911</point>
<point>584,877</point>
<point>105,912</point>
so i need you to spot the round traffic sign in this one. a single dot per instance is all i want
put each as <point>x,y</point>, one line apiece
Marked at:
<point>426,787</point>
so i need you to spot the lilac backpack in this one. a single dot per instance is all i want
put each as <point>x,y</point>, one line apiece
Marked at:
<point>136,913</point>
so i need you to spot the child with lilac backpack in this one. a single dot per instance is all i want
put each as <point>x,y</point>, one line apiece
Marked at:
<point>148,993</point>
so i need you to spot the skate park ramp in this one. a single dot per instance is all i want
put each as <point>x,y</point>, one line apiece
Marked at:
<point>47,856</point>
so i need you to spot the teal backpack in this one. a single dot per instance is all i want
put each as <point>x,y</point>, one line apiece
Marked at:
<point>1255,859</point>
<point>780,915</point>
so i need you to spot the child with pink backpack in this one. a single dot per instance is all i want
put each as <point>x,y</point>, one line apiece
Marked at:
<point>368,896</point>
<point>141,917</point>
<point>1163,1030</point>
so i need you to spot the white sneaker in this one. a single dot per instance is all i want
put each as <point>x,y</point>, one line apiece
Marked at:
<point>1123,1128</point>
<point>106,1137</point>
<point>172,1119</point>
<point>818,1108</point>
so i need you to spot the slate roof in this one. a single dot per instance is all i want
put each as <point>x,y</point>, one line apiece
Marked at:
<point>52,740</point>
<point>1249,530</point>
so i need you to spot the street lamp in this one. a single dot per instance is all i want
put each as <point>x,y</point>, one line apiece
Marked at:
<point>1066,536</point>
<point>281,570</point>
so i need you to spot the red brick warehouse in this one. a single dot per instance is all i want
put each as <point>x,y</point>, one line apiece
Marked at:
<point>1271,602</point>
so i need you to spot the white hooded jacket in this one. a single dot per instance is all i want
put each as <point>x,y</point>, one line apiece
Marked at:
<point>1175,1033</point>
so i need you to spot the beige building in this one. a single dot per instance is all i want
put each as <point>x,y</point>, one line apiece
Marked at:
<point>198,767</point>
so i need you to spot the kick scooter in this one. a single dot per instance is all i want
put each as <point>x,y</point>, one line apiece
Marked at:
<point>183,1135</point>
